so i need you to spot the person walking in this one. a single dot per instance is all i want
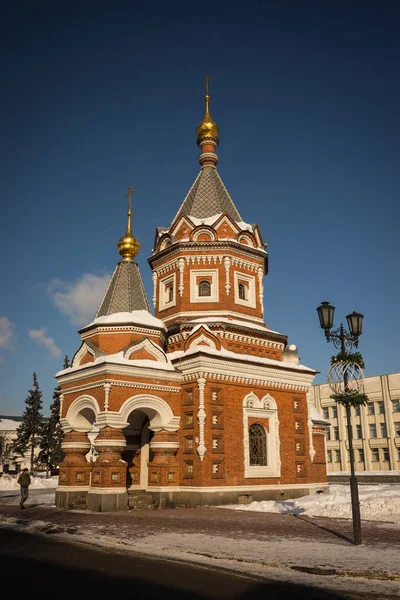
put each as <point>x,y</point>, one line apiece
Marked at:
<point>24,481</point>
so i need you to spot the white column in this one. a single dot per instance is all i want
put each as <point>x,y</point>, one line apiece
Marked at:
<point>154,288</point>
<point>389,422</point>
<point>181,267</point>
<point>107,388</point>
<point>201,416</point>
<point>227,265</point>
<point>261,292</point>
<point>309,424</point>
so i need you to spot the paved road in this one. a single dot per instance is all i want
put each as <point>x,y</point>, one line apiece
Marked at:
<point>52,568</point>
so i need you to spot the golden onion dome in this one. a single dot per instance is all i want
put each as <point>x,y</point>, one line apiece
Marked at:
<point>208,128</point>
<point>128,246</point>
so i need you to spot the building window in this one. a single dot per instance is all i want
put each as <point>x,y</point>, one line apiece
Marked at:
<point>383,430</point>
<point>337,455</point>
<point>329,456</point>
<point>398,453</point>
<point>242,291</point>
<point>372,430</point>
<point>381,407</point>
<point>328,434</point>
<point>385,452</point>
<point>335,433</point>
<point>204,288</point>
<point>361,456</point>
<point>397,428</point>
<point>334,412</point>
<point>257,445</point>
<point>375,454</point>
<point>325,412</point>
<point>396,405</point>
<point>167,292</point>
<point>245,289</point>
<point>204,285</point>
<point>357,411</point>
<point>358,432</point>
<point>371,408</point>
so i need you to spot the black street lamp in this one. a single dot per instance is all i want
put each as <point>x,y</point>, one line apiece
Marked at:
<point>344,341</point>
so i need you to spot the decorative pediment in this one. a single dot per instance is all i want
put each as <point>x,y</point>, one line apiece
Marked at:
<point>226,227</point>
<point>202,336</point>
<point>246,238</point>
<point>84,355</point>
<point>182,227</point>
<point>145,349</point>
<point>265,403</point>
<point>203,233</point>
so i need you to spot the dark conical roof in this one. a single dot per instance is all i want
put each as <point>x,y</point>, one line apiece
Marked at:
<point>125,292</point>
<point>208,197</point>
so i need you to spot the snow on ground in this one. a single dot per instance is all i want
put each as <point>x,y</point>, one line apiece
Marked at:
<point>377,503</point>
<point>9,482</point>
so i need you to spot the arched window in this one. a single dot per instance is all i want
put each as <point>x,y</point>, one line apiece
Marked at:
<point>204,288</point>
<point>257,445</point>
<point>242,291</point>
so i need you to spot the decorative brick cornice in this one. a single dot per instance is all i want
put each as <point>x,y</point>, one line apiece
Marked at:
<point>176,249</point>
<point>115,382</point>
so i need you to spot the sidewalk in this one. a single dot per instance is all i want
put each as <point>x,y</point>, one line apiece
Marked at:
<point>299,549</point>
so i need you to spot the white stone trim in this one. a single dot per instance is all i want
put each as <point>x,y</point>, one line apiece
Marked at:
<point>116,490</point>
<point>206,230</point>
<point>107,389</point>
<point>312,487</point>
<point>150,347</point>
<point>215,313</point>
<point>310,425</point>
<point>181,268</point>
<point>265,408</point>
<point>158,388</point>
<point>201,416</point>
<point>154,288</point>
<point>163,286</point>
<point>164,445</point>
<point>117,329</point>
<point>84,445</point>
<point>243,371</point>
<point>201,340</point>
<point>260,274</point>
<point>75,419</point>
<point>227,265</point>
<point>106,369</point>
<point>81,353</point>
<point>159,412</point>
<point>250,301</point>
<point>195,277</point>
<point>72,488</point>
<point>101,443</point>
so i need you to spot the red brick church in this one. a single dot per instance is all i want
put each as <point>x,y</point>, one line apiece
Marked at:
<point>202,403</point>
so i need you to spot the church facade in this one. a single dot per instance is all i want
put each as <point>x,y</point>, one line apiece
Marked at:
<point>201,403</point>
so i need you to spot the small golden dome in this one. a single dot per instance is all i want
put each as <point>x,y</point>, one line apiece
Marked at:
<point>128,246</point>
<point>207,129</point>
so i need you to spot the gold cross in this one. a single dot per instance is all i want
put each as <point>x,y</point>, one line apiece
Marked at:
<point>129,194</point>
<point>207,79</point>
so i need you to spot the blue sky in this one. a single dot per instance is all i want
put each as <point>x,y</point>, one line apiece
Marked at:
<point>98,96</point>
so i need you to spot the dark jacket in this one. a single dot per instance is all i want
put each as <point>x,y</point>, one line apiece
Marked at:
<point>24,480</point>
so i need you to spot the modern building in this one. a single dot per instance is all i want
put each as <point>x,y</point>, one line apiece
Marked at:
<point>10,462</point>
<point>375,427</point>
<point>202,403</point>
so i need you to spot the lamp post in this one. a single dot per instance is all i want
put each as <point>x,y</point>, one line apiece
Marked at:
<point>344,341</point>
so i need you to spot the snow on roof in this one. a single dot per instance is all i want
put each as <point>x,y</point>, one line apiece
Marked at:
<point>119,359</point>
<point>268,362</point>
<point>248,324</point>
<point>316,415</point>
<point>136,317</point>
<point>9,425</point>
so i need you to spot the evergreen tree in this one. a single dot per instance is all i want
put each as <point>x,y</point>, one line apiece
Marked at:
<point>66,362</point>
<point>29,431</point>
<point>51,436</point>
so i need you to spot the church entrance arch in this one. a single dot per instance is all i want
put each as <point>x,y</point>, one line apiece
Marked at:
<point>145,415</point>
